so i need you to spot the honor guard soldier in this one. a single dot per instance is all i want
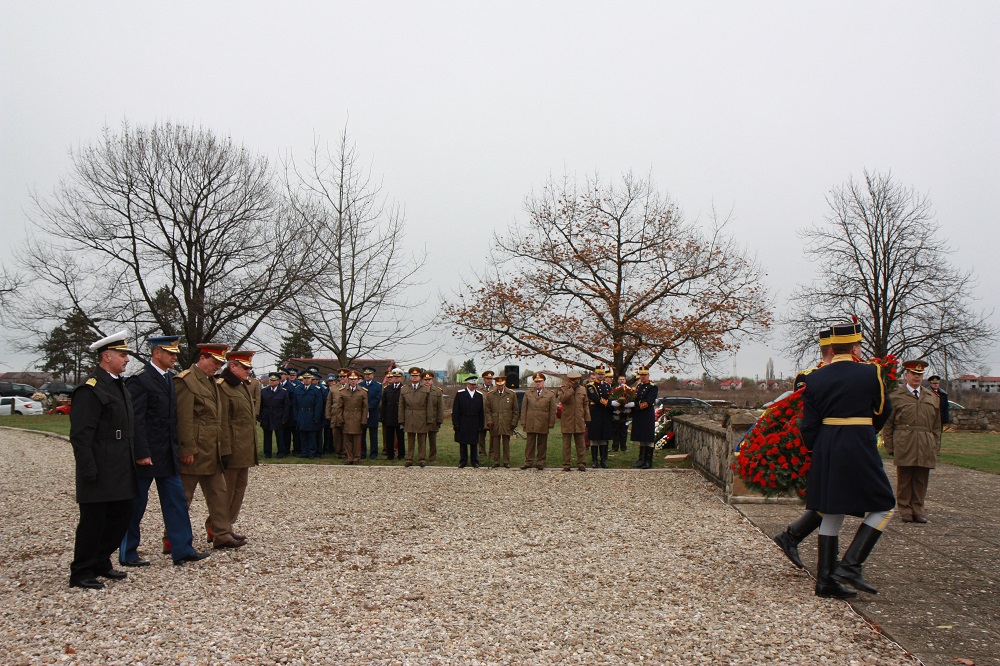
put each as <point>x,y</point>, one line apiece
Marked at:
<point>100,431</point>
<point>436,407</point>
<point>295,446</point>
<point>204,451</point>
<point>415,416</point>
<point>157,456</point>
<point>844,405</point>
<point>275,414</point>
<point>240,406</point>
<point>600,430</point>
<point>351,409</point>
<point>468,416</point>
<point>501,419</point>
<point>309,414</point>
<point>392,433</point>
<point>621,409</point>
<point>644,419</point>
<point>487,388</point>
<point>806,524</point>
<point>538,414</point>
<point>912,436</point>
<point>374,400</point>
<point>575,415</point>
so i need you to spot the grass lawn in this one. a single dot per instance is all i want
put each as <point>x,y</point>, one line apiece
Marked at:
<point>974,450</point>
<point>447,448</point>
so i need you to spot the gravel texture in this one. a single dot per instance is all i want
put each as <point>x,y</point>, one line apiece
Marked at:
<point>437,565</point>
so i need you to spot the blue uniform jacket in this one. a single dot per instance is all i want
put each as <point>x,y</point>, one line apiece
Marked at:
<point>374,399</point>
<point>154,404</point>
<point>275,408</point>
<point>309,408</point>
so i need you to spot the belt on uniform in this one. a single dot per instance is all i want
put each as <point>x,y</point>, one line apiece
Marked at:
<point>915,428</point>
<point>849,421</point>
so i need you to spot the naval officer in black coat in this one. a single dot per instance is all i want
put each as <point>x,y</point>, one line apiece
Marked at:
<point>101,435</point>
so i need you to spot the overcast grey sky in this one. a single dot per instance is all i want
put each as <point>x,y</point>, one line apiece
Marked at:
<point>464,107</point>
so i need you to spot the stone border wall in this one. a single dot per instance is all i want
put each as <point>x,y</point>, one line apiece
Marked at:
<point>975,419</point>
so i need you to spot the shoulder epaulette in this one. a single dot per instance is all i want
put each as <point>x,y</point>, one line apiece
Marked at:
<point>183,373</point>
<point>91,382</point>
<point>139,372</point>
<point>219,381</point>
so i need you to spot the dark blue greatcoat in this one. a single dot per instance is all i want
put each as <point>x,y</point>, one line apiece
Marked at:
<point>601,424</point>
<point>374,399</point>
<point>275,408</point>
<point>847,475</point>
<point>154,402</point>
<point>644,420</point>
<point>101,431</point>
<point>309,407</point>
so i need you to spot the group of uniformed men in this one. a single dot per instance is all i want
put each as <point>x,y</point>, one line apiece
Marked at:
<point>184,431</point>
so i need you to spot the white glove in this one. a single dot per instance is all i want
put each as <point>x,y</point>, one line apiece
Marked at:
<point>615,403</point>
<point>629,405</point>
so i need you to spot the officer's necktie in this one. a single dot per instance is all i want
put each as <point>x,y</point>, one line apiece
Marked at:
<point>916,393</point>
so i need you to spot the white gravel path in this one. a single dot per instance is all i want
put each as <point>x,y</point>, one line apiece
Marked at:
<point>390,565</point>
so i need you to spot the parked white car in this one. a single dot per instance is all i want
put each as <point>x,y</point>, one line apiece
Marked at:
<point>17,405</point>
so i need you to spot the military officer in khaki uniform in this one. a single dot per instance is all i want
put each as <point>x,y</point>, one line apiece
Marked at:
<point>912,436</point>
<point>415,416</point>
<point>487,388</point>
<point>333,416</point>
<point>240,402</point>
<point>538,415</point>
<point>203,450</point>
<point>351,409</point>
<point>501,419</point>
<point>575,416</point>
<point>436,408</point>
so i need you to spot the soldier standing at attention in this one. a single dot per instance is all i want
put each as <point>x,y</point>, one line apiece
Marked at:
<point>912,436</point>
<point>501,419</point>
<point>621,408</point>
<point>101,429</point>
<point>487,389</point>
<point>575,416</point>
<point>468,415</point>
<point>644,419</point>
<point>239,405</point>
<point>538,414</point>
<point>326,445</point>
<point>275,414</point>
<point>203,449</point>
<point>843,407</point>
<point>600,430</point>
<point>414,416</point>
<point>436,412</point>
<point>935,383</point>
<point>374,399</point>
<point>157,457</point>
<point>389,411</point>
<point>309,415</point>
<point>351,411</point>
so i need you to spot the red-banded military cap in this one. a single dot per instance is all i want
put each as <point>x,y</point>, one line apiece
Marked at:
<point>214,349</point>
<point>915,366</point>
<point>243,356</point>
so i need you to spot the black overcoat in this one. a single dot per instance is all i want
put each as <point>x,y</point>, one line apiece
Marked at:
<point>846,475</point>
<point>468,416</point>
<point>101,431</point>
<point>275,408</point>
<point>602,423</point>
<point>390,404</point>
<point>644,420</point>
<point>154,404</point>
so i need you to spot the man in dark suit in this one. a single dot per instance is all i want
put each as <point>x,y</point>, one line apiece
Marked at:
<point>275,414</point>
<point>843,407</point>
<point>374,398</point>
<point>100,431</point>
<point>392,432</point>
<point>468,416</point>
<point>157,457</point>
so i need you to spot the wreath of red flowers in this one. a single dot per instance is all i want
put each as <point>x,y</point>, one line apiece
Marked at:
<point>772,458</point>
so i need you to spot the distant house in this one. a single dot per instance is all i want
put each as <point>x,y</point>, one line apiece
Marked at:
<point>731,384</point>
<point>975,383</point>
<point>694,384</point>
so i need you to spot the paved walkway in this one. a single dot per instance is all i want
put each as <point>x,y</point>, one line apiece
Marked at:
<point>938,583</point>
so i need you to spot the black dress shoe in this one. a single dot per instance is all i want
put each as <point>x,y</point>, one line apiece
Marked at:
<point>239,537</point>
<point>113,574</point>
<point>193,557</point>
<point>919,519</point>
<point>232,543</point>
<point>87,583</point>
<point>138,562</point>
<point>461,465</point>
<point>475,465</point>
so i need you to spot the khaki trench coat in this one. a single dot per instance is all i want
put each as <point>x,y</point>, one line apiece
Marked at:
<point>351,410</point>
<point>200,422</point>
<point>912,435</point>
<point>414,410</point>
<point>241,432</point>
<point>501,412</point>
<point>576,408</point>
<point>436,407</point>
<point>538,413</point>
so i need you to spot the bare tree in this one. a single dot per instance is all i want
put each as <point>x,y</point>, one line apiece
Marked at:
<point>9,284</point>
<point>163,228</point>
<point>878,256</point>
<point>611,274</point>
<point>358,306</point>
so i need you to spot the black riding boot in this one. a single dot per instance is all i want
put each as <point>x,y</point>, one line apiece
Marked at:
<point>593,456</point>
<point>793,535</point>
<point>849,569</point>
<point>826,586</point>
<point>647,457</point>
<point>641,460</point>
<point>604,456</point>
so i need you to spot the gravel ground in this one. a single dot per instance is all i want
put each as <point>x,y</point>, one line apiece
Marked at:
<point>390,565</point>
